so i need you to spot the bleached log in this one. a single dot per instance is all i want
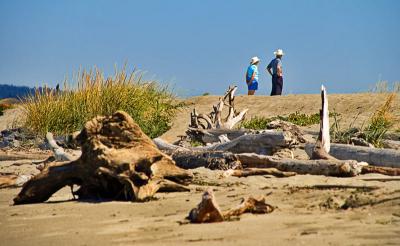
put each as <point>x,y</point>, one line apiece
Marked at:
<point>391,144</point>
<point>373,156</point>
<point>346,168</point>
<point>262,143</point>
<point>59,152</point>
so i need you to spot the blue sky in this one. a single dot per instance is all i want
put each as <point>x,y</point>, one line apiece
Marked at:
<point>203,46</point>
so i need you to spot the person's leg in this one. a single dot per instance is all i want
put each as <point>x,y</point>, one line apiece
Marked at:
<point>252,88</point>
<point>273,90</point>
<point>279,85</point>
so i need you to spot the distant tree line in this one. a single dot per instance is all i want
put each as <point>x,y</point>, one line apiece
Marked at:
<point>12,91</point>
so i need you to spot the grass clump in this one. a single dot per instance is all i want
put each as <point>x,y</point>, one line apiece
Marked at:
<point>378,125</point>
<point>152,106</point>
<point>300,119</point>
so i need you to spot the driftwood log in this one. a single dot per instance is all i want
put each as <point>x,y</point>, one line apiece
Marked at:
<point>207,136</point>
<point>208,211</point>
<point>118,161</point>
<point>264,143</point>
<point>373,156</point>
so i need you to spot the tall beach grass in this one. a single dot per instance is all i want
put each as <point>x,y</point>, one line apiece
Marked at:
<point>63,111</point>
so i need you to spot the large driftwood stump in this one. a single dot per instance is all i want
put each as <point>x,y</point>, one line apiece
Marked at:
<point>118,161</point>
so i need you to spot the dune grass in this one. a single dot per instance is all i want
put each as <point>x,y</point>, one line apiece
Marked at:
<point>151,105</point>
<point>297,118</point>
<point>377,126</point>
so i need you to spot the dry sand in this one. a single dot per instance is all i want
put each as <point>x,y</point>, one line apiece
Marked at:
<point>303,215</point>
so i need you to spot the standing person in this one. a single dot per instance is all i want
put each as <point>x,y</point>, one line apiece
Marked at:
<point>252,76</point>
<point>277,74</point>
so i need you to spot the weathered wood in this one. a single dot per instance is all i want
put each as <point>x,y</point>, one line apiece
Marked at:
<point>6,156</point>
<point>208,211</point>
<point>59,152</point>
<point>391,144</point>
<point>254,205</point>
<point>373,156</point>
<point>262,143</point>
<point>322,147</point>
<point>257,171</point>
<point>212,135</point>
<point>219,160</point>
<point>214,119</point>
<point>390,171</point>
<point>338,168</point>
<point>118,161</point>
<point>10,180</point>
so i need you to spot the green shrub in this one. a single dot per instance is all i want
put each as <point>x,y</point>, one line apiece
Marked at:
<point>259,123</point>
<point>152,106</point>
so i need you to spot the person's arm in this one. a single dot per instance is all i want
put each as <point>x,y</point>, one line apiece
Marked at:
<point>269,69</point>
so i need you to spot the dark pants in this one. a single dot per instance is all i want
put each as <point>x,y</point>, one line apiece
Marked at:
<point>277,85</point>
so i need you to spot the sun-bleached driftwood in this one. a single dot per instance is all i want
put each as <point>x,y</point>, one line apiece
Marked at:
<point>391,144</point>
<point>118,161</point>
<point>257,171</point>
<point>373,156</point>
<point>208,211</point>
<point>263,143</point>
<point>187,158</point>
<point>59,153</point>
<point>213,135</point>
<point>347,168</point>
<point>322,147</point>
<point>215,119</point>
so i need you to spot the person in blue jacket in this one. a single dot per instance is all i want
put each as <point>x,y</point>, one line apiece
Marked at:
<point>252,76</point>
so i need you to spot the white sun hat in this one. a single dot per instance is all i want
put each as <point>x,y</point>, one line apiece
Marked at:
<point>279,52</point>
<point>254,60</point>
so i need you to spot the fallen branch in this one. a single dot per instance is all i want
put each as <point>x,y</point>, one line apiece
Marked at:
<point>59,153</point>
<point>257,171</point>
